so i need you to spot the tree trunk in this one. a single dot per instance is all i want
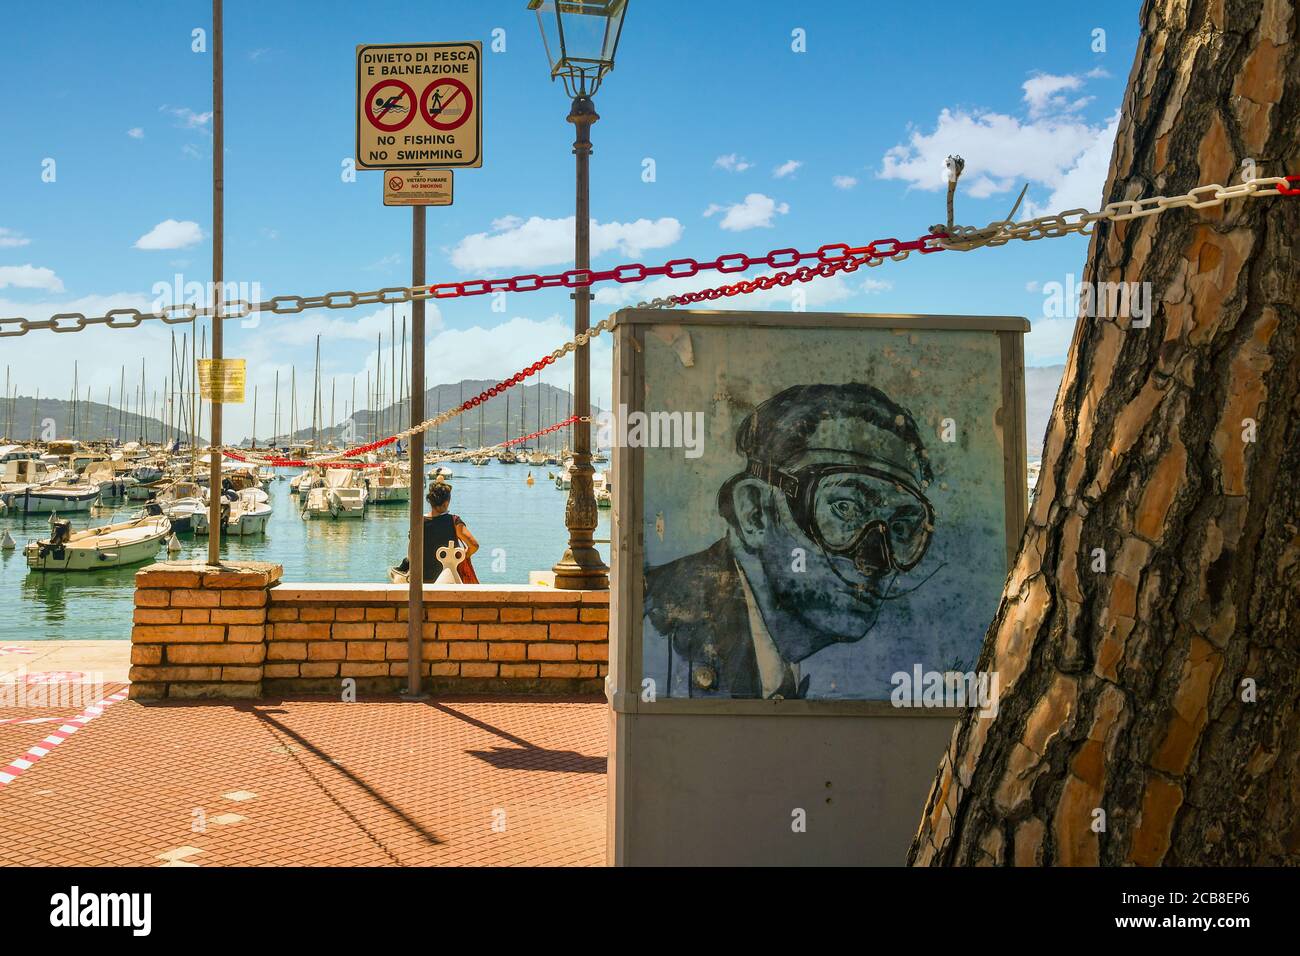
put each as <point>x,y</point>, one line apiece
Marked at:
<point>1150,707</point>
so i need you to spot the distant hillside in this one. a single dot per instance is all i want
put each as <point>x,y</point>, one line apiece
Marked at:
<point>24,419</point>
<point>367,425</point>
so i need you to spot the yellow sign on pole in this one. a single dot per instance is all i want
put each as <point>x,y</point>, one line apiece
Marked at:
<point>419,105</point>
<point>222,380</point>
<point>418,187</point>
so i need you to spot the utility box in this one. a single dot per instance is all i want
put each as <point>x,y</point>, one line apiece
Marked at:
<point>813,517</point>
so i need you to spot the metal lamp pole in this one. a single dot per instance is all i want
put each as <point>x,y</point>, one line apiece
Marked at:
<point>582,567</point>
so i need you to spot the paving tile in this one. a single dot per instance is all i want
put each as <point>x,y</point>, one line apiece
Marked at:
<point>373,783</point>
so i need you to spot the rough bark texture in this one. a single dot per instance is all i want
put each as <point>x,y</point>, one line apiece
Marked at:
<point>1123,690</point>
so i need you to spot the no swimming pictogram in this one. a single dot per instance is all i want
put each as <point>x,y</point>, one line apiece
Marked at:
<point>390,105</point>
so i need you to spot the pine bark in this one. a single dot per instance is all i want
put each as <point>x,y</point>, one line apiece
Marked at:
<point>1127,731</point>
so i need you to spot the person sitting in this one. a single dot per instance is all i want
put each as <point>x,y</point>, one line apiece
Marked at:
<point>440,529</point>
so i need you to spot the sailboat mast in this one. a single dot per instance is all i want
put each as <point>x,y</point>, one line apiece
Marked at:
<point>275,410</point>
<point>254,442</point>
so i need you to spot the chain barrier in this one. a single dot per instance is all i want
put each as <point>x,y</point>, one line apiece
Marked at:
<point>279,462</point>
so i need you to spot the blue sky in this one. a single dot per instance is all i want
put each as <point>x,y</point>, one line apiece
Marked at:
<point>755,147</point>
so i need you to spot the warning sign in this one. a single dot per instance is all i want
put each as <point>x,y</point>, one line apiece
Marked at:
<point>417,187</point>
<point>419,105</point>
<point>222,380</point>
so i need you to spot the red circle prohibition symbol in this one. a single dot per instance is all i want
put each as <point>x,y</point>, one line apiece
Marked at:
<point>377,121</point>
<point>396,183</point>
<point>459,89</point>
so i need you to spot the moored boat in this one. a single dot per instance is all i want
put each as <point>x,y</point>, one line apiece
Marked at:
<point>111,546</point>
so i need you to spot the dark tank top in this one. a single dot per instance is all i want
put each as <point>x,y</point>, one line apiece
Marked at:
<point>437,533</point>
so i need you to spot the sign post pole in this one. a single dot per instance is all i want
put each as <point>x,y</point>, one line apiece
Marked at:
<point>415,551</point>
<point>218,224</point>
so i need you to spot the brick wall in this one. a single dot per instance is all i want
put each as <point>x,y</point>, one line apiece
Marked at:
<point>195,638</point>
<point>200,631</point>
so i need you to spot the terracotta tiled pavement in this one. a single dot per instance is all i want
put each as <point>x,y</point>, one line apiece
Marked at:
<point>372,783</point>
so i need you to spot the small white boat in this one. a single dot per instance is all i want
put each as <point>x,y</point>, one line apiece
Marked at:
<point>341,496</point>
<point>250,514</point>
<point>112,546</point>
<point>61,498</point>
<point>390,484</point>
<point>604,494</point>
<point>443,472</point>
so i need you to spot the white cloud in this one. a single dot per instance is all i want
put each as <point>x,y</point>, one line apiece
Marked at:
<point>732,163</point>
<point>296,331</point>
<point>755,211</point>
<point>135,132</point>
<point>1048,341</point>
<point>171,234</point>
<point>1081,185</point>
<point>30,277</point>
<point>1043,93</point>
<point>844,182</point>
<point>876,286</point>
<point>1051,146</point>
<point>10,239</point>
<point>1033,285</point>
<point>535,242</point>
<point>786,168</point>
<point>187,118</point>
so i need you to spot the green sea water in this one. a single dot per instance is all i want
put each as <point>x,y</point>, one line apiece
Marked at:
<point>519,527</point>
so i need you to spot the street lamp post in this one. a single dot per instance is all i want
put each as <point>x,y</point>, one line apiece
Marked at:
<point>581,37</point>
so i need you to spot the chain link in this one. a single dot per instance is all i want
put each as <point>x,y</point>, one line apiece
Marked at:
<point>1083,222</point>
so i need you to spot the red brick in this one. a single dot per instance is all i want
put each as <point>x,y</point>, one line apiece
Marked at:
<point>433,650</point>
<point>365,650</point>
<point>316,614</point>
<point>282,614</point>
<point>177,633</point>
<point>241,673</point>
<point>479,614</point>
<point>395,650</point>
<point>390,631</point>
<point>145,578</point>
<point>318,669</point>
<point>147,615</point>
<point>474,669</point>
<point>243,598</point>
<point>580,632</point>
<point>351,632</point>
<point>215,653</point>
<point>552,652</point>
<point>222,616</point>
<point>175,673</point>
<point>444,669</point>
<point>561,670</point>
<point>326,651</point>
<point>381,614</point>
<point>458,632</point>
<point>519,670</point>
<point>299,632</point>
<point>282,670</point>
<point>185,597</point>
<point>146,654</point>
<point>246,633</point>
<point>435,613</point>
<point>593,652</point>
<point>507,651</point>
<point>467,651</point>
<point>286,651</point>
<point>195,616</point>
<point>227,580</point>
<point>512,632</point>
<point>356,669</point>
<point>153,598</point>
<point>350,614</point>
<point>594,614</point>
<point>513,615</point>
<point>555,614</point>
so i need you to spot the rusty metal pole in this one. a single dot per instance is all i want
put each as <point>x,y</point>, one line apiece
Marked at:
<point>582,567</point>
<point>218,237</point>
<point>415,550</point>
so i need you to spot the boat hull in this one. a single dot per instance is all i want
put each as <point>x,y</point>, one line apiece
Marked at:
<point>47,502</point>
<point>99,556</point>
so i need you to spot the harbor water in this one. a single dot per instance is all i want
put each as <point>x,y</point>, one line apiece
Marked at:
<point>519,527</point>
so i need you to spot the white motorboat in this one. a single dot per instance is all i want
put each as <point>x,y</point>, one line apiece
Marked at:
<point>114,545</point>
<point>249,514</point>
<point>341,496</point>
<point>60,498</point>
<point>390,483</point>
<point>601,487</point>
<point>441,472</point>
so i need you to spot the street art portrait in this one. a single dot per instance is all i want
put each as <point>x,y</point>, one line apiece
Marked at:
<point>844,522</point>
